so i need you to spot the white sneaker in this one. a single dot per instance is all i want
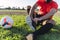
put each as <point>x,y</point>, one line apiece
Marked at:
<point>29,37</point>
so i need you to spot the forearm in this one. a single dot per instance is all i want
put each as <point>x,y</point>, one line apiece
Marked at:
<point>32,10</point>
<point>48,15</point>
<point>31,13</point>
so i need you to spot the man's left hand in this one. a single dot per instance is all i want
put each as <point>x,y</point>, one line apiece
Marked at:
<point>35,19</point>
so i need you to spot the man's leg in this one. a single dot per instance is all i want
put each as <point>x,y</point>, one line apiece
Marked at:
<point>44,29</point>
<point>30,23</point>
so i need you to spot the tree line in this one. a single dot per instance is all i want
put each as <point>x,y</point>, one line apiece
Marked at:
<point>13,8</point>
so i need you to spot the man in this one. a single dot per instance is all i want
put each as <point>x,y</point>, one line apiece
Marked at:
<point>47,9</point>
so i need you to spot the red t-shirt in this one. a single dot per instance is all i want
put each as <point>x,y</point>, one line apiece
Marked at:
<point>45,7</point>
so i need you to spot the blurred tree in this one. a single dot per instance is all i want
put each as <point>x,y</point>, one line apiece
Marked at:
<point>18,8</point>
<point>13,8</point>
<point>23,8</point>
<point>8,8</point>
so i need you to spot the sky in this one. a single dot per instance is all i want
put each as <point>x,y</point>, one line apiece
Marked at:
<point>19,3</point>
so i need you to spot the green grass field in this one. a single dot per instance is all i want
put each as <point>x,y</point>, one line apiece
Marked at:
<point>20,29</point>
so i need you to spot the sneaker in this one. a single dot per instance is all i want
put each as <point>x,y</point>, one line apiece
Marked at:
<point>29,37</point>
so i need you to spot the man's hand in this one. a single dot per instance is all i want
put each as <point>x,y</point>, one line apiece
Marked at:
<point>36,19</point>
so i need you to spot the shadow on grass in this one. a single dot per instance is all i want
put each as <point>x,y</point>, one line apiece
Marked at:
<point>21,30</point>
<point>57,27</point>
<point>17,31</point>
<point>49,36</point>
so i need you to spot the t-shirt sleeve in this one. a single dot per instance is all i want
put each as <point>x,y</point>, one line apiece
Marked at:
<point>55,5</point>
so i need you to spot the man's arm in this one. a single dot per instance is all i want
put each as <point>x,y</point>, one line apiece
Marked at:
<point>48,15</point>
<point>32,10</point>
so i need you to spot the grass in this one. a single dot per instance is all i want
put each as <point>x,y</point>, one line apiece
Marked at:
<point>20,29</point>
<point>12,10</point>
<point>17,32</point>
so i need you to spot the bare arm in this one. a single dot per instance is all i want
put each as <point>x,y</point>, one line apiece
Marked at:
<point>32,10</point>
<point>48,15</point>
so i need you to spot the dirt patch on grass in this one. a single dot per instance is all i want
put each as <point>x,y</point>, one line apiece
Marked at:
<point>19,12</point>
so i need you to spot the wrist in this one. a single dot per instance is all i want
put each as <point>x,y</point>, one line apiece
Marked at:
<point>40,19</point>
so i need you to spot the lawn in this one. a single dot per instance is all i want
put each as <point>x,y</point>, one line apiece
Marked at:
<point>20,29</point>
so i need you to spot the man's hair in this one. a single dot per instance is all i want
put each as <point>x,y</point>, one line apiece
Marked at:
<point>48,1</point>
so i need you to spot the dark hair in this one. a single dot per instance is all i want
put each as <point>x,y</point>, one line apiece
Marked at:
<point>28,9</point>
<point>48,1</point>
